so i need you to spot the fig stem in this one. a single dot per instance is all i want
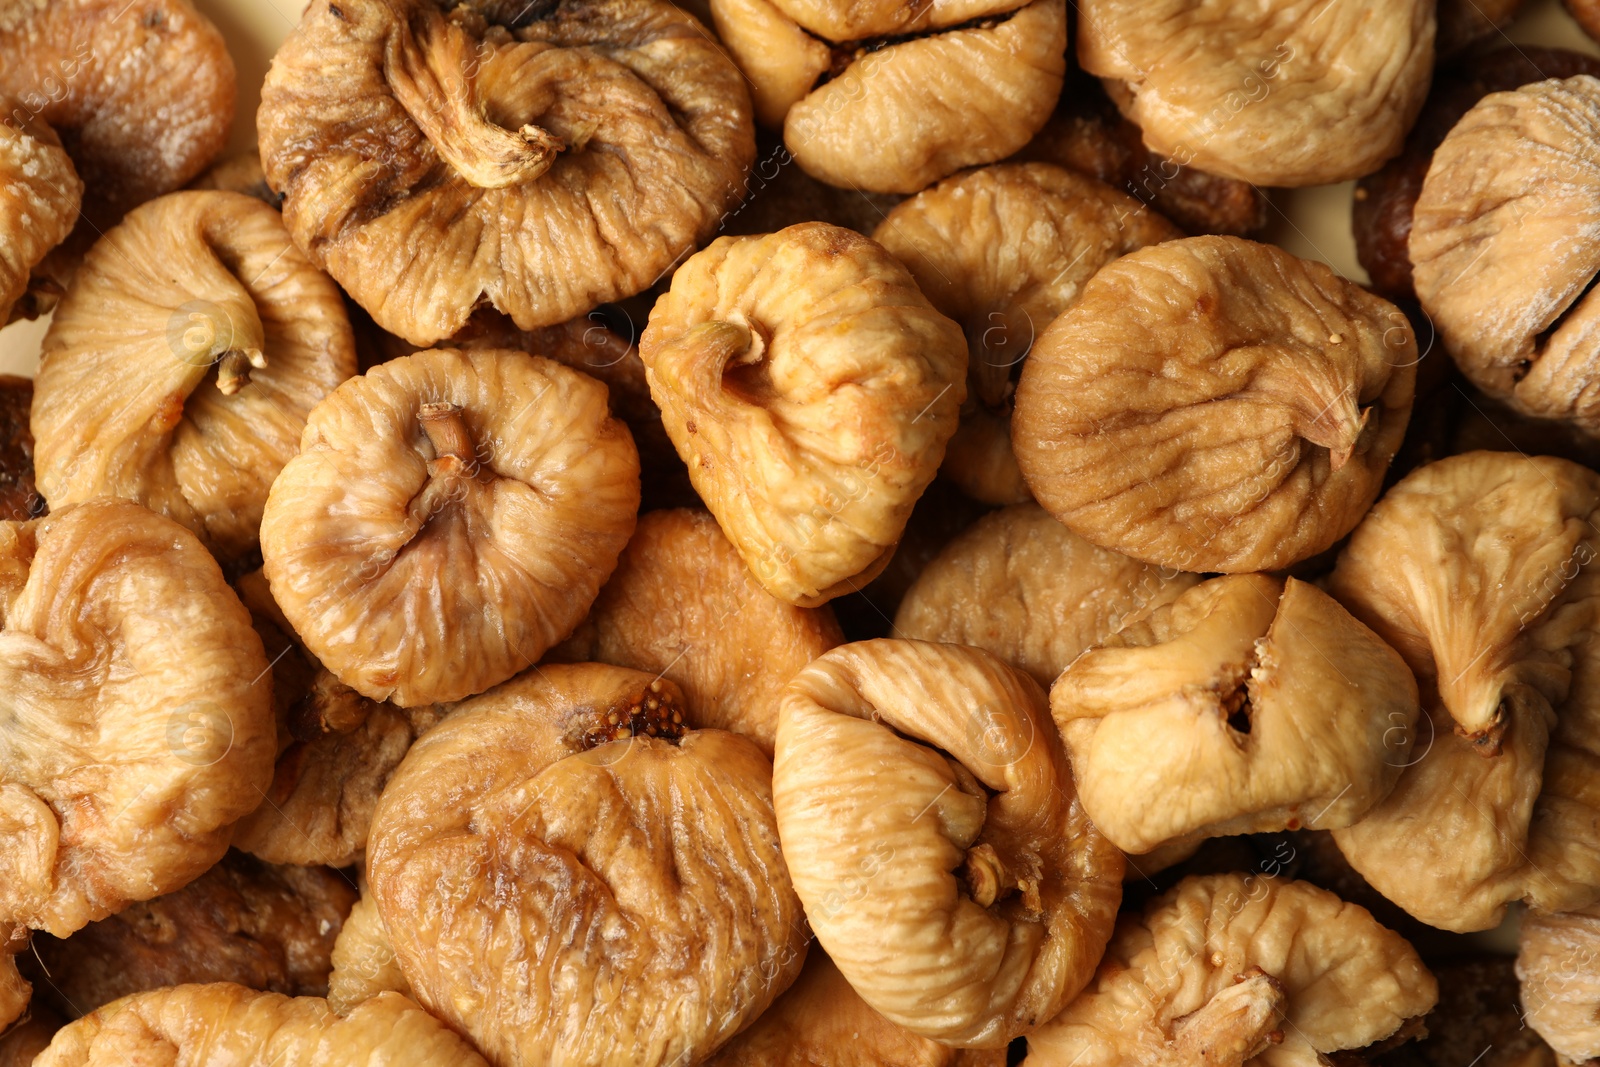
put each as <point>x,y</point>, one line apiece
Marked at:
<point>455,463</point>
<point>40,298</point>
<point>446,430</point>
<point>986,875</point>
<point>1236,1025</point>
<point>233,368</point>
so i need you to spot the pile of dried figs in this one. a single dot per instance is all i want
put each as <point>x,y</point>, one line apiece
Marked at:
<point>800,533</point>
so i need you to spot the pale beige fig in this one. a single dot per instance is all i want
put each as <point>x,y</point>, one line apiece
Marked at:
<point>1003,251</point>
<point>930,823</point>
<point>138,722</point>
<point>1214,404</point>
<point>1272,92</point>
<point>267,928</point>
<point>435,157</point>
<point>1246,705</point>
<point>811,388</point>
<point>39,198</point>
<point>1019,584</point>
<point>1558,963</point>
<point>571,874</point>
<point>141,92</point>
<point>182,363</point>
<point>1480,570</point>
<point>224,1023</point>
<point>1495,264</point>
<point>1230,969</point>
<point>821,1022</point>
<point>450,516</point>
<point>683,605</point>
<point>363,958</point>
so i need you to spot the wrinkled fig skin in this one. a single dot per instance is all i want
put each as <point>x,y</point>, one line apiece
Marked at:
<point>435,162</point>
<point>14,991</point>
<point>225,1023</point>
<point>1480,570</point>
<point>182,363</point>
<point>1502,245</point>
<point>1088,134</point>
<point>1003,251</point>
<point>811,389</point>
<point>572,875</point>
<point>39,199</point>
<point>1557,964</point>
<point>141,92</point>
<point>1279,93</point>
<point>976,924</point>
<point>1244,706</point>
<point>19,500</point>
<point>242,921</point>
<point>450,516</point>
<point>1213,404</point>
<point>1022,586</point>
<point>1230,969</point>
<point>133,730</point>
<point>1384,201</point>
<point>821,1021</point>
<point>364,964</point>
<point>682,604</point>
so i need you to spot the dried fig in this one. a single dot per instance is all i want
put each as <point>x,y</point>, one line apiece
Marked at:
<point>19,499</point>
<point>1088,134</point>
<point>975,925</point>
<point>542,158</point>
<point>1494,267</point>
<point>363,960</point>
<point>1384,201</point>
<point>450,516</point>
<point>821,1021</point>
<point>182,363</point>
<point>1480,570</point>
<point>891,97</point>
<point>268,928</point>
<point>682,605</point>
<point>14,991</point>
<point>141,92</point>
<point>39,198</point>
<point>1558,962</point>
<point>1245,705</point>
<point>134,731</point>
<point>781,194</point>
<point>1213,404</point>
<point>586,858</point>
<point>1003,251</point>
<point>1231,969</point>
<point>1277,92</point>
<point>225,1023</point>
<point>811,388</point>
<point>1024,587</point>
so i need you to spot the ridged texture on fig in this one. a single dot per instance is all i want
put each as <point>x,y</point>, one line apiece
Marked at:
<point>1556,962</point>
<point>39,198</point>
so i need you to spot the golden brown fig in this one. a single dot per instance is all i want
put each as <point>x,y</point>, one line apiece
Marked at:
<point>1558,962</point>
<point>541,159</point>
<point>450,516</point>
<point>811,388</point>
<point>1278,92</point>
<point>1480,570</point>
<point>930,824</point>
<point>683,605</point>
<point>19,499</point>
<point>1003,251</point>
<point>1244,706</point>
<point>268,928</point>
<point>1213,404</point>
<point>363,959</point>
<point>821,1021</point>
<point>572,875</point>
<point>141,92</point>
<point>39,198</point>
<point>1230,969</point>
<point>1024,587</point>
<point>136,725</point>
<point>181,365</point>
<point>1493,264</point>
<point>224,1023</point>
